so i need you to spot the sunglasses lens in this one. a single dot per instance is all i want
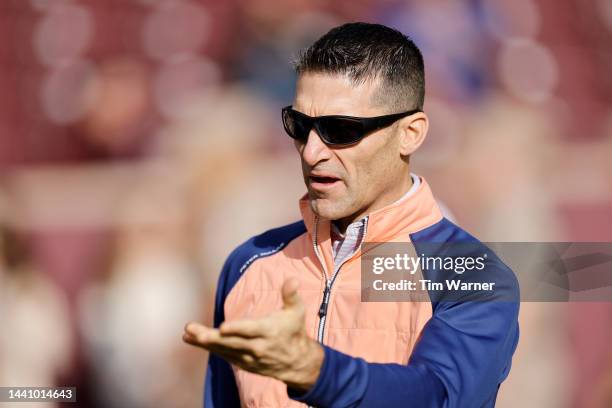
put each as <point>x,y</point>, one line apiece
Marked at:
<point>297,126</point>
<point>333,130</point>
<point>341,131</point>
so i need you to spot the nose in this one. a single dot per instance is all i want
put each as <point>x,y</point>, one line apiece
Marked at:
<point>314,150</point>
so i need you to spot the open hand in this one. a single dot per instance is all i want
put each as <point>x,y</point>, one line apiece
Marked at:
<point>275,346</point>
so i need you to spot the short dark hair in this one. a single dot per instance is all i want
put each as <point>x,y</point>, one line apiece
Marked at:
<point>365,51</point>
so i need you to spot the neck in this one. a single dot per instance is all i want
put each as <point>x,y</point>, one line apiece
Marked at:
<point>386,198</point>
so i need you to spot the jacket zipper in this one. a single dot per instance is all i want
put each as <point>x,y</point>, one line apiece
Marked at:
<point>328,282</point>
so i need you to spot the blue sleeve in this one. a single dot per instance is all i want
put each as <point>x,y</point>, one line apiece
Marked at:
<point>220,389</point>
<point>461,358</point>
<point>346,381</point>
<point>463,354</point>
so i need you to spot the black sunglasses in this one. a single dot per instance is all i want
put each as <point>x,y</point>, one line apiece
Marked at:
<point>336,129</point>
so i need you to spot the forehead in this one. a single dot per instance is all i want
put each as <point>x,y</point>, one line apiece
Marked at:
<point>334,94</point>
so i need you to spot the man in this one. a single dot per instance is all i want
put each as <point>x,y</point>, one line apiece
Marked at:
<point>290,327</point>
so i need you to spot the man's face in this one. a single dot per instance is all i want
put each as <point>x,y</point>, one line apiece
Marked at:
<point>345,183</point>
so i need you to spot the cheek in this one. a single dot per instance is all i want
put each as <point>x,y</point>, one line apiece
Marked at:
<point>372,166</point>
<point>299,146</point>
<point>361,170</point>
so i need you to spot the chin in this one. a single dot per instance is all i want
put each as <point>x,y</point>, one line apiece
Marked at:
<point>328,209</point>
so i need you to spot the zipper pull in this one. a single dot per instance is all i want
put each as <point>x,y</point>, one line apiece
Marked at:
<point>325,302</point>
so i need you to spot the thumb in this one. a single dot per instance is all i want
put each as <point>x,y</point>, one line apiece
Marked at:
<point>289,291</point>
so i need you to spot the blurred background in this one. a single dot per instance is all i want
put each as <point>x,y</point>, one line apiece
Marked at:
<point>140,141</point>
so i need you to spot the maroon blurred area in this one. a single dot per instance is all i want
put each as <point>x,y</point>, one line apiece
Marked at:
<point>140,142</point>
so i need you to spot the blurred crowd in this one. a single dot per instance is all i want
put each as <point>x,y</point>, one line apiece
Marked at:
<point>140,141</point>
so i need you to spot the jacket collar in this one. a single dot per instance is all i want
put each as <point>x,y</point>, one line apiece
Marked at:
<point>413,214</point>
<point>391,223</point>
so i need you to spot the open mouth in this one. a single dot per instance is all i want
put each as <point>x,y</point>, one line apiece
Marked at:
<point>323,179</point>
<point>320,182</point>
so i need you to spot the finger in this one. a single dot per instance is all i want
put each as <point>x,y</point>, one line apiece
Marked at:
<point>202,336</point>
<point>230,355</point>
<point>189,339</point>
<point>196,329</point>
<point>289,291</point>
<point>200,333</point>
<point>249,328</point>
<point>229,343</point>
<point>245,361</point>
<point>220,344</point>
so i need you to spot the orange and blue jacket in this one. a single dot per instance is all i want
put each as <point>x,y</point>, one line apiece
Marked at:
<point>439,353</point>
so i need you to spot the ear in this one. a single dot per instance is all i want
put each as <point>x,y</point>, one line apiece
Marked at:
<point>412,132</point>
